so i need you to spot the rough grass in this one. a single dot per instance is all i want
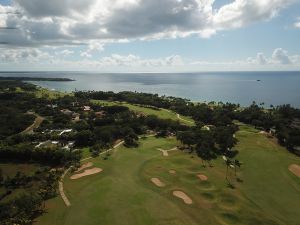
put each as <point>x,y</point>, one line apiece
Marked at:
<point>11,169</point>
<point>123,193</point>
<point>161,113</point>
<point>50,94</point>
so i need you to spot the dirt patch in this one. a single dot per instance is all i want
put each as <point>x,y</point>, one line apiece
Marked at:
<point>202,177</point>
<point>180,194</point>
<point>157,182</point>
<point>86,173</point>
<point>172,171</point>
<point>295,169</point>
<point>84,166</point>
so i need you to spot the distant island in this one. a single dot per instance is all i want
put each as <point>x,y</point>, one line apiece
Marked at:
<point>35,79</point>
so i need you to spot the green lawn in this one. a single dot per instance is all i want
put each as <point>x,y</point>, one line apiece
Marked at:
<point>85,153</point>
<point>123,193</point>
<point>161,113</point>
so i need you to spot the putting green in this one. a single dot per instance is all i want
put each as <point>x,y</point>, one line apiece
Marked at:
<point>124,194</point>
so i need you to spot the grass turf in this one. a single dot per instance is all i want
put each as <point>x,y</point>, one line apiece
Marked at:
<point>161,113</point>
<point>123,193</point>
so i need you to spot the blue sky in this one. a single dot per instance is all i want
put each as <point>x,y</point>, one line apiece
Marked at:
<point>118,35</point>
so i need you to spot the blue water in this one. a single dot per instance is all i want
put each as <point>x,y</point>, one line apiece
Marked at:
<point>237,87</point>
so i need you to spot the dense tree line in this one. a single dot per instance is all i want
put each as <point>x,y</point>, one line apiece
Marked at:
<point>27,153</point>
<point>208,144</point>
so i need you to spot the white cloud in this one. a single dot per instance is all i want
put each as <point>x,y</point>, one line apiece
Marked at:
<point>240,13</point>
<point>28,58</point>
<point>23,55</point>
<point>279,59</point>
<point>281,56</point>
<point>136,61</point>
<point>297,23</point>
<point>261,58</point>
<point>64,53</point>
<point>60,22</point>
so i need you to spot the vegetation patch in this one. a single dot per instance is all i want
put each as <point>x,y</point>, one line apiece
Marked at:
<point>228,201</point>
<point>229,218</point>
<point>209,196</point>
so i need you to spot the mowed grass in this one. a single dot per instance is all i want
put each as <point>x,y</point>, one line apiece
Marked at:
<point>161,113</point>
<point>123,193</point>
<point>267,180</point>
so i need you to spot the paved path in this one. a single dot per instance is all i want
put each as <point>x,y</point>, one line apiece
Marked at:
<point>37,122</point>
<point>61,188</point>
<point>179,117</point>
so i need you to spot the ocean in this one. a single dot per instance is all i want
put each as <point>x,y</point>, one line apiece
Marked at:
<point>274,88</point>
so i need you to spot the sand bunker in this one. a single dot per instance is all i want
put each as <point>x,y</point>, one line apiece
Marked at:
<point>84,166</point>
<point>165,152</point>
<point>86,173</point>
<point>172,171</point>
<point>157,182</point>
<point>263,132</point>
<point>202,177</point>
<point>179,194</point>
<point>295,169</point>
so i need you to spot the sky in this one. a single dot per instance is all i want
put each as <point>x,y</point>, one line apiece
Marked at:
<point>149,35</point>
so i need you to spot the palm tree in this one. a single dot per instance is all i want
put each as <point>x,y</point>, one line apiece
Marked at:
<point>237,163</point>
<point>228,164</point>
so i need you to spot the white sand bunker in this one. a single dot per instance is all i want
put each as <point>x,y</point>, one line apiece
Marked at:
<point>165,152</point>
<point>202,177</point>
<point>172,171</point>
<point>157,182</point>
<point>84,166</point>
<point>179,194</point>
<point>295,169</point>
<point>86,173</point>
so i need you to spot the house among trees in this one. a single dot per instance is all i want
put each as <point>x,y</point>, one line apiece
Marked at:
<point>86,108</point>
<point>75,117</point>
<point>53,106</point>
<point>100,114</point>
<point>140,114</point>
<point>67,112</point>
<point>273,131</point>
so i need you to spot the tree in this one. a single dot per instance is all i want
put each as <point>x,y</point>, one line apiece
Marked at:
<point>237,163</point>
<point>228,163</point>
<point>1,177</point>
<point>205,145</point>
<point>84,138</point>
<point>187,138</point>
<point>224,138</point>
<point>131,141</point>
